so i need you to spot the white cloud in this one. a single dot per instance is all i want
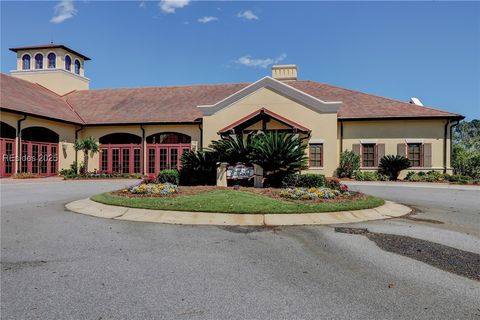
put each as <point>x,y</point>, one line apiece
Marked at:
<point>248,61</point>
<point>142,4</point>
<point>63,11</point>
<point>248,15</point>
<point>169,6</point>
<point>207,19</point>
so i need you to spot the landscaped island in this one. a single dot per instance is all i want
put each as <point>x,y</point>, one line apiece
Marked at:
<point>243,200</point>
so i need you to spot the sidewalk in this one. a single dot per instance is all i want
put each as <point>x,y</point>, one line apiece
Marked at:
<point>402,184</point>
<point>92,208</point>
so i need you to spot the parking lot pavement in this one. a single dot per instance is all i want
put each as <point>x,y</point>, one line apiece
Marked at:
<point>60,265</point>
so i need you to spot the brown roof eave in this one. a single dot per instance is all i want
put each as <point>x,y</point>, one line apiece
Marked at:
<point>144,123</point>
<point>51,47</point>
<point>40,116</point>
<point>453,117</point>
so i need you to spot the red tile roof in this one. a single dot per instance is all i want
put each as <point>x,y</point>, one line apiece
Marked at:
<point>144,105</point>
<point>26,97</point>
<point>179,104</point>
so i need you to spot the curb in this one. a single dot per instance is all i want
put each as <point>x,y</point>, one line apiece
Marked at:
<point>86,206</point>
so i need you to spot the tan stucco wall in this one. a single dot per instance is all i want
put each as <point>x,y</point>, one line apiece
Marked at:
<point>322,125</point>
<point>58,79</point>
<point>65,131</point>
<point>393,132</point>
<point>99,131</point>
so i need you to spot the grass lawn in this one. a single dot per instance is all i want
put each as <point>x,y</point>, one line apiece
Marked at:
<point>231,201</point>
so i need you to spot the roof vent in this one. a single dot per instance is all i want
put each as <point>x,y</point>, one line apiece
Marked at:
<point>416,101</point>
<point>284,72</point>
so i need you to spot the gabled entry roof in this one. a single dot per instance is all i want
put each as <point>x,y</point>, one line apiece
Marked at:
<point>264,111</point>
<point>279,87</point>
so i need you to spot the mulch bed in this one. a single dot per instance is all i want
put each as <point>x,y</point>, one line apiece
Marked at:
<point>269,192</point>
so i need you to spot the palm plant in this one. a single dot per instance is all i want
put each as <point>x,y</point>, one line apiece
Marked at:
<point>392,165</point>
<point>278,154</point>
<point>198,168</point>
<point>88,144</point>
<point>232,149</point>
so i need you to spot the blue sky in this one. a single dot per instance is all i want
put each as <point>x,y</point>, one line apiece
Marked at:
<point>429,50</point>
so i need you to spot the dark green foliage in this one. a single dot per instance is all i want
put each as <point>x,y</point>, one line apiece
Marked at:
<point>169,175</point>
<point>349,163</point>
<point>198,168</point>
<point>279,154</point>
<point>467,134</point>
<point>466,161</point>
<point>392,165</point>
<point>232,149</point>
<point>369,176</point>
<point>430,176</point>
<point>460,179</point>
<point>304,180</point>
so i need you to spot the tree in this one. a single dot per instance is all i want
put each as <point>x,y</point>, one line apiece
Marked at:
<point>349,163</point>
<point>88,144</point>
<point>232,149</point>
<point>466,149</point>
<point>279,154</point>
<point>467,133</point>
<point>392,165</point>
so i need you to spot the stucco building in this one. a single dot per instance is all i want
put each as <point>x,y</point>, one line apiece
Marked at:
<point>46,104</point>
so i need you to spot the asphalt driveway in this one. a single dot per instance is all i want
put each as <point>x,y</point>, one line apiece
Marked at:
<point>61,265</point>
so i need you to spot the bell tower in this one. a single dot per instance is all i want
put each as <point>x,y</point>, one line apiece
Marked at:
<point>53,66</point>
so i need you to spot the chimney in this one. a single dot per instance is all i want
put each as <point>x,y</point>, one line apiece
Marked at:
<point>284,72</point>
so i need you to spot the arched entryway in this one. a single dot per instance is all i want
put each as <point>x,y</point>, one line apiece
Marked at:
<point>39,151</point>
<point>7,149</point>
<point>121,153</point>
<point>165,149</point>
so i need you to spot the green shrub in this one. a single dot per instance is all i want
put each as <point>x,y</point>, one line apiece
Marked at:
<point>460,179</point>
<point>430,176</point>
<point>198,168</point>
<point>170,176</point>
<point>392,165</point>
<point>366,176</point>
<point>304,180</point>
<point>349,164</point>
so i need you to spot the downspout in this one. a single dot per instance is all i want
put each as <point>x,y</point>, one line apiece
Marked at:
<point>445,136</point>
<point>19,138</point>
<point>143,149</point>
<point>201,135</point>
<point>341,137</point>
<point>451,139</point>
<point>76,153</point>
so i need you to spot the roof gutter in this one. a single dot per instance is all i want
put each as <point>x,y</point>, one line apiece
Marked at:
<point>19,138</point>
<point>143,149</point>
<point>445,136</point>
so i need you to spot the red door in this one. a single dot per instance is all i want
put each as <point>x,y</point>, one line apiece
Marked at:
<point>121,158</point>
<point>39,158</point>
<point>7,150</point>
<point>165,156</point>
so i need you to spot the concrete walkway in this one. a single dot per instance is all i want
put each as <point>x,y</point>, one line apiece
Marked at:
<point>401,184</point>
<point>92,208</point>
